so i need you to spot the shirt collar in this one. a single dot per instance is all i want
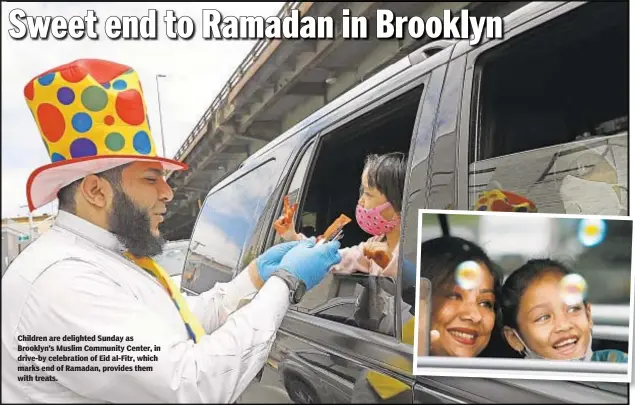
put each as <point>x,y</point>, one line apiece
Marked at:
<point>93,233</point>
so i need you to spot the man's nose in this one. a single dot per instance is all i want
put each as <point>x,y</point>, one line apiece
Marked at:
<point>166,194</point>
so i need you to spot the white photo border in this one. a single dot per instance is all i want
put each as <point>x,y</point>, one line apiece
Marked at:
<point>510,368</point>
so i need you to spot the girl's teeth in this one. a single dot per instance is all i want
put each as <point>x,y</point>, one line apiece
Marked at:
<point>566,342</point>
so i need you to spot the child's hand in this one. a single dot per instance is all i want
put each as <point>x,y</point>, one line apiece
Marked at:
<point>285,225</point>
<point>378,252</point>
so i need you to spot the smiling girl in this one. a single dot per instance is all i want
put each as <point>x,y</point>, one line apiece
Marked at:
<point>540,324</point>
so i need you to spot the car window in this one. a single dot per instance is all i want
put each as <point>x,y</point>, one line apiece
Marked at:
<point>325,183</point>
<point>223,226</point>
<point>173,258</point>
<point>307,220</point>
<point>552,129</point>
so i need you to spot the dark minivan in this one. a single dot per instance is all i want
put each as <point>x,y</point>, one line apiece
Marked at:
<point>542,109</point>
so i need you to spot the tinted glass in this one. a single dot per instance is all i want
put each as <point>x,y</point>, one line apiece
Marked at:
<point>223,226</point>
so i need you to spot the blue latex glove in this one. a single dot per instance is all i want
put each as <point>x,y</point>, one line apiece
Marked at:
<point>311,263</point>
<point>269,261</point>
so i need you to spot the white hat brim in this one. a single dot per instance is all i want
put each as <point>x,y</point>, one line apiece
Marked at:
<point>45,182</point>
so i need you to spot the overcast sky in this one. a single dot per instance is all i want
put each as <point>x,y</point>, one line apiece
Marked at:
<point>196,69</point>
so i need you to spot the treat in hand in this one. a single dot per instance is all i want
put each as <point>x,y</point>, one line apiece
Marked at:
<point>334,229</point>
<point>286,220</point>
<point>377,252</point>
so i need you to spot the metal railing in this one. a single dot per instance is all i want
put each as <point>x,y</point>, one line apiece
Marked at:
<point>222,97</point>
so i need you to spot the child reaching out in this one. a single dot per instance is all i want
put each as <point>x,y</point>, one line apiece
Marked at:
<point>377,213</point>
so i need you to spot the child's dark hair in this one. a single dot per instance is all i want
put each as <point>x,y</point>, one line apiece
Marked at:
<point>439,259</point>
<point>387,173</point>
<point>518,282</point>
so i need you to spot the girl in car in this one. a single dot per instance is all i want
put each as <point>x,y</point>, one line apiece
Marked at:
<point>546,317</point>
<point>377,213</point>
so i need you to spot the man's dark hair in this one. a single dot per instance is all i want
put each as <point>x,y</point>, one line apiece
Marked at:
<point>66,195</point>
<point>387,173</point>
<point>129,223</point>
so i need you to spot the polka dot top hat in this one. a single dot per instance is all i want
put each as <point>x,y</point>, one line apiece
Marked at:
<point>92,117</point>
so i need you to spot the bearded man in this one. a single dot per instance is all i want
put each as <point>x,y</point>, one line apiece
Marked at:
<point>87,314</point>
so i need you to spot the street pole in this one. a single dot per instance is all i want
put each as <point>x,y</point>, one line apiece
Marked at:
<point>30,222</point>
<point>160,114</point>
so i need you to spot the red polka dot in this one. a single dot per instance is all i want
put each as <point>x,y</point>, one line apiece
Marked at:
<point>73,74</point>
<point>129,106</point>
<point>28,91</point>
<point>101,70</point>
<point>51,121</point>
<point>109,120</point>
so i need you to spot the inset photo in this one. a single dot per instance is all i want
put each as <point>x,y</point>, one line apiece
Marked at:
<point>524,296</point>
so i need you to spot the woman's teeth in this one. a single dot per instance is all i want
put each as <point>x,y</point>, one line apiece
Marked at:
<point>463,335</point>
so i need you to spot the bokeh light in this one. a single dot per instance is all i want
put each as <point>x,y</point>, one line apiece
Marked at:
<point>468,275</point>
<point>573,289</point>
<point>591,232</point>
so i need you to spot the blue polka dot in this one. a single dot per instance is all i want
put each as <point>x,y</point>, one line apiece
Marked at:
<point>46,79</point>
<point>119,85</point>
<point>141,143</point>
<point>65,95</point>
<point>83,147</point>
<point>106,85</point>
<point>56,157</point>
<point>81,122</point>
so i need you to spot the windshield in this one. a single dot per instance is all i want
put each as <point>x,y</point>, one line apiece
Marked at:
<point>173,257</point>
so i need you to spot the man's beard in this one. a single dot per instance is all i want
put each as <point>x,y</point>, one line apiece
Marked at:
<point>131,225</point>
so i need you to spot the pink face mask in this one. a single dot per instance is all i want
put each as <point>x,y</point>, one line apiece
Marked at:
<point>371,221</point>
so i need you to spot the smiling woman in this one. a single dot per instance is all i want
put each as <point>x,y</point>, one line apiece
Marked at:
<point>464,309</point>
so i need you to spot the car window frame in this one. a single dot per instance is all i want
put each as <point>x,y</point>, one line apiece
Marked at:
<point>470,109</point>
<point>404,85</point>
<point>214,191</point>
<point>314,143</point>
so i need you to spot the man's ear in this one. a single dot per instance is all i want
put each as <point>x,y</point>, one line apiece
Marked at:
<point>512,339</point>
<point>96,191</point>
<point>588,313</point>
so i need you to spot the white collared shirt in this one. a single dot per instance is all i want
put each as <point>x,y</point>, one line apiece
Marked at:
<point>73,281</point>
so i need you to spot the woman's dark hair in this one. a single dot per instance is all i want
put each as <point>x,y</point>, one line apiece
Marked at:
<point>387,173</point>
<point>518,282</point>
<point>439,259</point>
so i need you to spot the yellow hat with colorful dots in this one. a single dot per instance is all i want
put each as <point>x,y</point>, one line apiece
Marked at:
<point>92,117</point>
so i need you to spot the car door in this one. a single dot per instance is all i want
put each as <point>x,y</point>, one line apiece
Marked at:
<point>321,354</point>
<point>445,172</point>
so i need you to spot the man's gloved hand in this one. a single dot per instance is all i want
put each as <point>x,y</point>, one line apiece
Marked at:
<point>311,263</point>
<point>269,261</point>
